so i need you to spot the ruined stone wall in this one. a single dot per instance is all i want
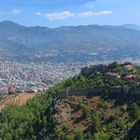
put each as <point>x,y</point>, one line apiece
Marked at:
<point>81,92</point>
<point>113,91</point>
<point>88,70</point>
<point>136,91</point>
<point>85,92</point>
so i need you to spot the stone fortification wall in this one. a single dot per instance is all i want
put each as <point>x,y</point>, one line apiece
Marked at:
<point>113,91</point>
<point>93,68</point>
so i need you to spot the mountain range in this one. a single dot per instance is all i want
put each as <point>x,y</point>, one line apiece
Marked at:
<point>132,26</point>
<point>69,44</point>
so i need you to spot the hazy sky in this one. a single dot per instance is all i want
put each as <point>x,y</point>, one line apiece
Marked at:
<point>54,13</point>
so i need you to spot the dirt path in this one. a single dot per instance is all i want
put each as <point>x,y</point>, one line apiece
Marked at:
<point>20,99</point>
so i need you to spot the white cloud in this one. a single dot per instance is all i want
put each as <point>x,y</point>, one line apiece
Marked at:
<point>38,14</point>
<point>16,11</point>
<point>56,15</point>
<point>62,15</point>
<point>90,13</point>
<point>105,12</point>
<point>86,14</point>
<point>67,14</point>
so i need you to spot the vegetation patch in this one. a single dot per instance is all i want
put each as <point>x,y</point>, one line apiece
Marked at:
<point>101,116</point>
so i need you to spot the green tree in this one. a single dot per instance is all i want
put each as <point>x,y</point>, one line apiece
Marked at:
<point>135,111</point>
<point>86,112</point>
<point>96,122</point>
<point>79,136</point>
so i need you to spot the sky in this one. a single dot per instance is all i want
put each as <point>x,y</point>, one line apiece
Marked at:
<point>54,13</point>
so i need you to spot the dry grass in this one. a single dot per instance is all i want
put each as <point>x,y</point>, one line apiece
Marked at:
<point>20,99</point>
<point>78,124</point>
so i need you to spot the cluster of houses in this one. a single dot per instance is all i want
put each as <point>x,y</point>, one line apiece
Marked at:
<point>110,75</point>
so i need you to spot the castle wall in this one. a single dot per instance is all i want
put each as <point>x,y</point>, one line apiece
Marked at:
<point>136,91</point>
<point>113,92</point>
<point>94,68</point>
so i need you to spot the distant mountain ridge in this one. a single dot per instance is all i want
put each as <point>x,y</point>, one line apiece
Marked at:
<point>132,26</point>
<point>66,44</point>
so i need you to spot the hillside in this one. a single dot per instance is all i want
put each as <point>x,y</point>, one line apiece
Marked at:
<point>66,44</point>
<point>101,103</point>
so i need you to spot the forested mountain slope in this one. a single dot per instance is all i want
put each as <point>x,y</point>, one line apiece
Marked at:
<point>110,114</point>
<point>66,44</point>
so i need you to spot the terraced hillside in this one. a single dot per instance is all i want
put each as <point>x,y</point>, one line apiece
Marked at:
<point>20,99</point>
